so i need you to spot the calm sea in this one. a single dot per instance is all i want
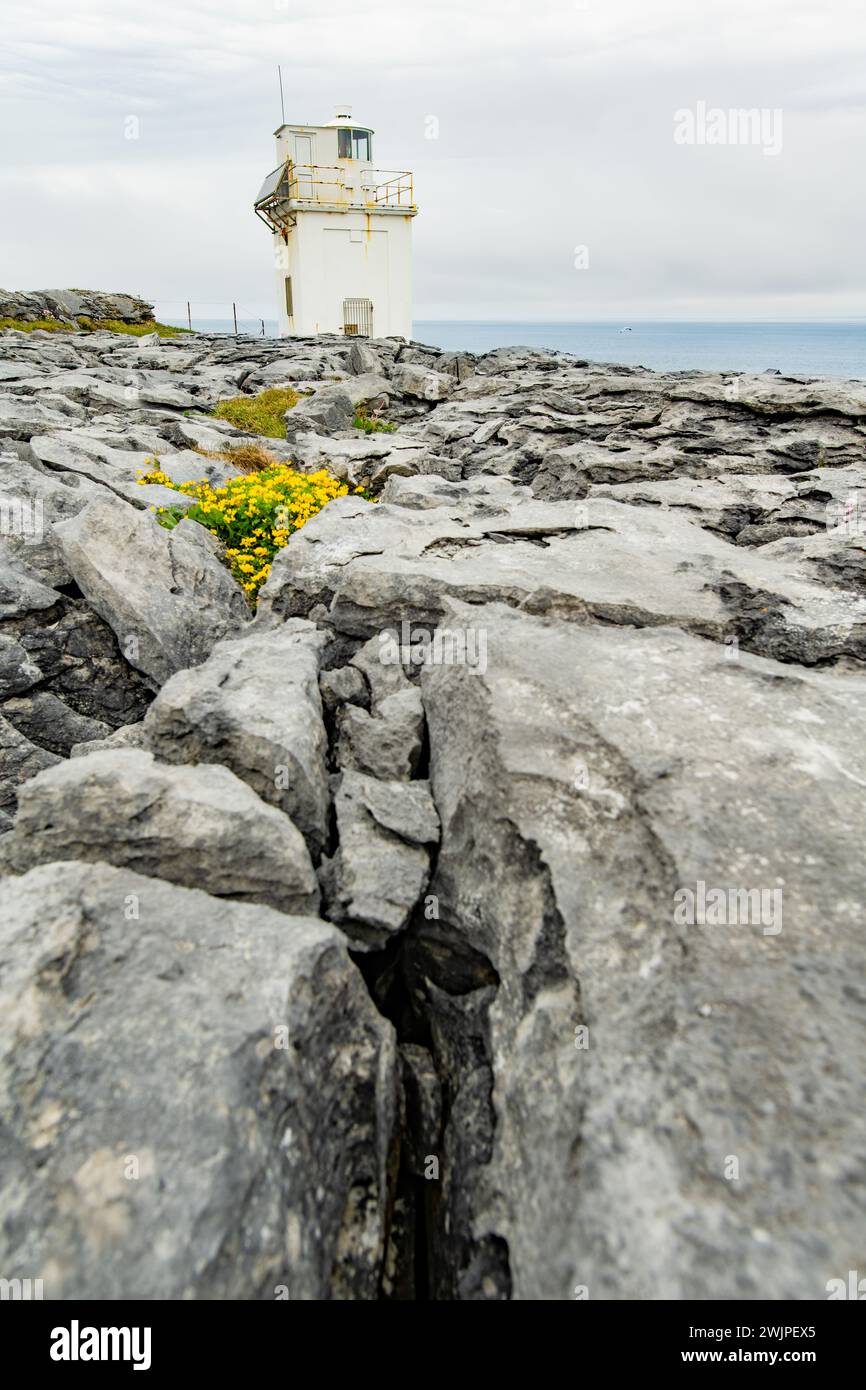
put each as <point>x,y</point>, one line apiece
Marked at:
<point>831,348</point>
<point>814,349</point>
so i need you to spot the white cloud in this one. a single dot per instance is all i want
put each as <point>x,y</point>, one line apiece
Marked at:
<point>555,129</point>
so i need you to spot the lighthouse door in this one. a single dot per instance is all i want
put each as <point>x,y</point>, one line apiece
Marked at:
<point>304,165</point>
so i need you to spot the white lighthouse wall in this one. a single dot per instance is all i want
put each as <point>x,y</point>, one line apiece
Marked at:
<point>332,256</point>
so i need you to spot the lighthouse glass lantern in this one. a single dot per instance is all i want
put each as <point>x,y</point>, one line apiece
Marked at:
<point>342,233</point>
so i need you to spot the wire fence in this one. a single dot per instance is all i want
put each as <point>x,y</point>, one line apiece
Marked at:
<point>218,316</point>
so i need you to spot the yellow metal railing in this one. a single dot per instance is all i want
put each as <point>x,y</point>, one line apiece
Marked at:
<point>318,183</point>
<point>291,185</point>
<point>307,184</point>
<point>384,188</point>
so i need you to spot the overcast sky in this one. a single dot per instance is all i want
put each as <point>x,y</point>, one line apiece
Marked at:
<point>556,123</point>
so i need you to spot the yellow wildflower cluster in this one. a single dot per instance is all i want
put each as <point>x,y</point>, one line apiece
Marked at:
<point>156,475</point>
<point>254,514</point>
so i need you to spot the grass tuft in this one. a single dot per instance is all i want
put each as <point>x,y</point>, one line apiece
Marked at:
<point>261,414</point>
<point>371,424</point>
<point>136,330</point>
<point>31,326</point>
<point>247,458</point>
<point>85,325</point>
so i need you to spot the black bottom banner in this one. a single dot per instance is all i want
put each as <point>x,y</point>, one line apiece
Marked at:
<point>164,1339</point>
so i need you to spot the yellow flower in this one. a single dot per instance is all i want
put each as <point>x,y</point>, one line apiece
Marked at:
<point>256,514</point>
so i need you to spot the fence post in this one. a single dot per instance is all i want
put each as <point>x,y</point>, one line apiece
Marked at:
<point>189,315</point>
<point>235,313</point>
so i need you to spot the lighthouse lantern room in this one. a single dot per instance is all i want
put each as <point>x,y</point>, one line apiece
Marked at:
<point>342,233</point>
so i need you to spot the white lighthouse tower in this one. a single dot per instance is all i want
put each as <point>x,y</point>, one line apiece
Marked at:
<point>342,232</point>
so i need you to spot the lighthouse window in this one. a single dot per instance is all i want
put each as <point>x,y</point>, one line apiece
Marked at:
<point>354,144</point>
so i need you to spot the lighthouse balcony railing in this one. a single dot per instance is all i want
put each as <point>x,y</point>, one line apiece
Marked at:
<point>297,186</point>
<point>388,188</point>
<point>315,183</point>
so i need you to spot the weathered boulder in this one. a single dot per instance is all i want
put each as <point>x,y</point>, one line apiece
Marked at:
<point>379,662</point>
<point>386,743</point>
<point>20,419</point>
<point>199,1096</point>
<point>363,360</point>
<point>50,722</point>
<point>98,468</point>
<point>587,783</point>
<point>458,364</point>
<point>32,498</point>
<point>343,686</point>
<point>19,760</point>
<point>21,589</point>
<point>79,661</point>
<point>381,866</point>
<point>127,736</point>
<point>370,459</point>
<point>254,706</point>
<point>188,466</point>
<point>328,411</point>
<point>17,671</point>
<point>165,594</point>
<point>411,379</point>
<point>371,391</point>
<point>594,561</point>
<point>190,825</point>
<point>69,305</point>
